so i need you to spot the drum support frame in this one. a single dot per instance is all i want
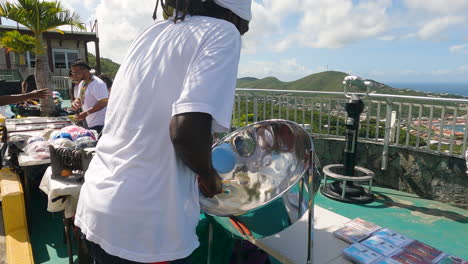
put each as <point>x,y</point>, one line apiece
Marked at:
<point>310,224</point>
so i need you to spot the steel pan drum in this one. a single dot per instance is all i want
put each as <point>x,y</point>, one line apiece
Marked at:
<point>269,178</point>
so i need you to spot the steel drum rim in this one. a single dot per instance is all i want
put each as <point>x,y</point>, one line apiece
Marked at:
<point>279,195</point>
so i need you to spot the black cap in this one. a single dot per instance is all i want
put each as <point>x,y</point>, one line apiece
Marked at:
<point>80,63</point>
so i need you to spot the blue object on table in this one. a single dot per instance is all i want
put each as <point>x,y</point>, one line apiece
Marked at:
<point>63,135</point>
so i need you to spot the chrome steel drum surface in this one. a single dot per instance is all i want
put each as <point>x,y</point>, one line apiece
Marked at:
<point>263,167</point>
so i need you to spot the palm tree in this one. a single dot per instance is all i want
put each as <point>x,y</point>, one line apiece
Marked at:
<point>39,17</point>
<point>13,41</point>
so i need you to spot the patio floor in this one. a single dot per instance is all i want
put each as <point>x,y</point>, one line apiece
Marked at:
<point>439,225</point>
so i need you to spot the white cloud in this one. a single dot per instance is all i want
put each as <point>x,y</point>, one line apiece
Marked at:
<point>463,68</point>
<point>436,26</point>
<point>387,37</point>
<point>434,17</point>
<point>439,72</point>
<point>266,21</point>
<point>282,25</point>
<point>285,70</point>
<point>463,49</point>
<point>84,3</point>
<point>118,26</point>
<point>82,7</point>
<point>439,6</point>
<point>336,23</point>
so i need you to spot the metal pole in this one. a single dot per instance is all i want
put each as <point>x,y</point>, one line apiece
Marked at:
<point>210,241</point>
<point>310,222</point>
<point>388,122</point>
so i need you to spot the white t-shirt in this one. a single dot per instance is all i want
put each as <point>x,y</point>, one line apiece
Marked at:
<point>139,201</point>
<point>95,92</point>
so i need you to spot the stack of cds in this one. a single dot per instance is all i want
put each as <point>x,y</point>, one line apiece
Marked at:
<point>372,244</point>
<point>356,230</point>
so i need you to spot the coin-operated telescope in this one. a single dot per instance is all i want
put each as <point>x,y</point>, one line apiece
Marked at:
<point>343,188</point>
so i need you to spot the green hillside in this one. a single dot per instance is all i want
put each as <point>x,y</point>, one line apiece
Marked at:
<point>108,67</point>
<point>324,81</point>
<point>330,81</point>
<point>245,80</point>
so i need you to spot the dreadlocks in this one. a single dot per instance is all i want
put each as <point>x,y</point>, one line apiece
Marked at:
<point>192,7</point>
<point>200,8</point>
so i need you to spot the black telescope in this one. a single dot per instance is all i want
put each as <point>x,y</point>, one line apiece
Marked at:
<point>344,189</point>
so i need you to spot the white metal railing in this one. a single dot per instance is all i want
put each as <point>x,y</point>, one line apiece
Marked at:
<point>7,77</point>
<point>61,83</point>
<point>435,125</point>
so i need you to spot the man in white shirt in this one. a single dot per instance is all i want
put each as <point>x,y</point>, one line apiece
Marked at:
<point>92,96</point>
<point>176,86</point>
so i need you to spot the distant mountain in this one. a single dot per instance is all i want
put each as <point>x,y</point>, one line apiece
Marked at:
<point>324,81</point>
<point>247,79</point>
<point>330,81</point>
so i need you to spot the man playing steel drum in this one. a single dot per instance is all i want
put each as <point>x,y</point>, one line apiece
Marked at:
<point>176,86</point>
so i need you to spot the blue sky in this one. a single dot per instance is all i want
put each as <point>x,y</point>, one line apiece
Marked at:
<point>389,41</point>
<point>386,40</point>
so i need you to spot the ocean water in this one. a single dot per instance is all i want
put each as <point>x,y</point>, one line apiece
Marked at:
<point>450,88</point>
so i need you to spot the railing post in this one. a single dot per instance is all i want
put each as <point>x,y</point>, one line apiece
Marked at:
<point>388,122</point>
<point>247,110</point>
<point>393,127</point>
<point>409,124</point>
<point>429,131</point>
<point>441,129</point>
<point>454,126</point>
<point>255,109</point>
<point>238,111</point>
<point>377,122</point>
<point>295,109</point>
<point>368,112</point>
<point>418,134</point>
<point>272,107</point>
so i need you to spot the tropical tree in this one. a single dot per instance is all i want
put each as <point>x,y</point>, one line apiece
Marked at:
<point>39,17</point>
<point>13,41</point>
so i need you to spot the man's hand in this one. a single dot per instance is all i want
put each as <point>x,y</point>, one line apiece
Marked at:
<point>210,185</point>
<point>81,116</point>
<point>39,94</point>
<point>76,104</point>
<point>191,137</point>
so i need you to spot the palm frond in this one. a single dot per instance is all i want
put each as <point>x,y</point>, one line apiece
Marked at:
<point>59,31</point>
<point>40,16</point>
<point>14,41</point>
<point>15,12</point>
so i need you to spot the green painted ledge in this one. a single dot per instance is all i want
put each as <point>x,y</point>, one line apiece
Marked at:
<point>442,226</point>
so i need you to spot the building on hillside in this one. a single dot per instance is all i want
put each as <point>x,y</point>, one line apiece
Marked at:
<point>61,50</point>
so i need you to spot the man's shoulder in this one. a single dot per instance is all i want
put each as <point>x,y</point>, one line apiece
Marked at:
<point>211,23</point>
<point>98,82</point>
